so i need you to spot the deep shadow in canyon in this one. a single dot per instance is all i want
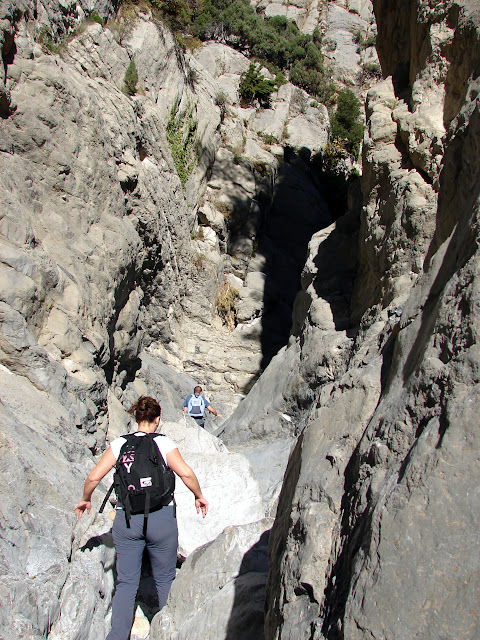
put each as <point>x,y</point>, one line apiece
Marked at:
<point>304,201</point>
<point>250,594</point>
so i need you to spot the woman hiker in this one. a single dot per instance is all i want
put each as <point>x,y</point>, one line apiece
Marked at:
<point>158,532</point>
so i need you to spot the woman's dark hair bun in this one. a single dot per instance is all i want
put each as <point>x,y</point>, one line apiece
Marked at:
<point>145,409</point>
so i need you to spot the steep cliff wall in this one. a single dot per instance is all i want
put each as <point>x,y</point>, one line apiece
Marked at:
<point>95,246</point>
<point>376,528</point>
<point>82,236</point>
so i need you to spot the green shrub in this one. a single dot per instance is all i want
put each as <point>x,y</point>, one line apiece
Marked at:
<point>56,45</point>
<point>178,13</point>
<point>268,138</point>
<point>280,79</point>
<point>221,102</point>
<point>262,168</point>
<point>363,43</point>
<point>191,43</point>
<point>345,124</point>
<point>275,41</point>
<point>46,40</point>
<point>314,82</point>
<point>254,86</point>
<point>197,235</point>
<point>198,261</point>
<point>182,139</point>
<point>131,78</point>
<point>192,76</point>
<point>94,17</point>
<point>372,70</point>
<point>332,155</point>
<point>391,103</point>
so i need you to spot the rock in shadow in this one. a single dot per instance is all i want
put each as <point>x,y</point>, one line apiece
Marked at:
<point>147,598</point>
<point>105,539</point>
<point>329,275</point>
<point>298,210</point>
<point>246,620</point>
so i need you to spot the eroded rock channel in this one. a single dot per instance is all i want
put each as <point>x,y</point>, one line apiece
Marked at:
<point>173,235</point>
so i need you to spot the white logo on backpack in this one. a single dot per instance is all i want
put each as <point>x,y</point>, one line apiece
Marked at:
<point>146,482</point>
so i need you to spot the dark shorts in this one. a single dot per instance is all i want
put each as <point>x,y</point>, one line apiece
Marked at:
<point>200,420</point>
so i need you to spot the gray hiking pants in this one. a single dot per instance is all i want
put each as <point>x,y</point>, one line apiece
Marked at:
<point>162,542</point>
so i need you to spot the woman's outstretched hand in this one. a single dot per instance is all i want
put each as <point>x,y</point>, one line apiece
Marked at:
<point>202,505</point>
<point>83,505</point>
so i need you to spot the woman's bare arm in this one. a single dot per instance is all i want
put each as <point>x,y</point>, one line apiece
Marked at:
<point>107,461</point>
<point>188,477</point>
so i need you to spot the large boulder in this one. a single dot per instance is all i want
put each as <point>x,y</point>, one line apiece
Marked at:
<point>227,482</point>
<point>219,591</point>
<point>218,59</point>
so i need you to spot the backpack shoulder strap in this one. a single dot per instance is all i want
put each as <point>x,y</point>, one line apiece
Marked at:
<point>112,486</point>
<point>154,450</point>
<point>107,496</point>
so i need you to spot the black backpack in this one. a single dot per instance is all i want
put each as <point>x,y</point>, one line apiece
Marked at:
<point>142,481</point>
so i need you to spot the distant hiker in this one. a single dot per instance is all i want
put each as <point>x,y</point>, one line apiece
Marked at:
<point>147,514</point>
<point>195,406</point>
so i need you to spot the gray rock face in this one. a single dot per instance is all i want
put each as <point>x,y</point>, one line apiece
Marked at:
<point>46,579</point>
<point>77,236</point>
<point>95,255</point>
<point>359,430</point>
<point>219,591</point>
<point>391,253</point>
<point>378,486</point>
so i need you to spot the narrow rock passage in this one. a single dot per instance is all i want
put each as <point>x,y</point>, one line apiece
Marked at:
<point>297,211</point>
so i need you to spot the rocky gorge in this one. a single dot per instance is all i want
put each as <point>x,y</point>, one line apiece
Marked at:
<point>175,236</point>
